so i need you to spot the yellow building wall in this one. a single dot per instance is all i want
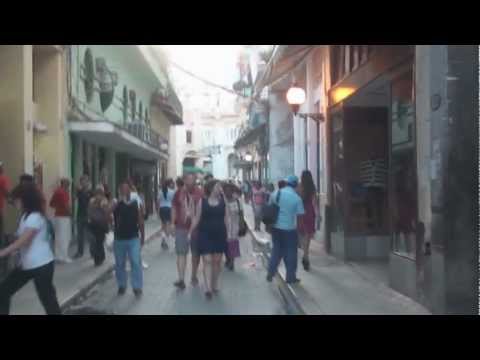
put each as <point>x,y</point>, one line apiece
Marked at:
<point>16,128</point>
<point>51,148</point>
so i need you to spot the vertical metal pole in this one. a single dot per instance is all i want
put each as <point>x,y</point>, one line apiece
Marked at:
<point>306,143</point>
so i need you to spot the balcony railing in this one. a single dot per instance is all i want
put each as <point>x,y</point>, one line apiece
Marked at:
<point>144,133</point>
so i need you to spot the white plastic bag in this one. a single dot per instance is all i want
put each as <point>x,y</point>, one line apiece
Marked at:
<point>109,241</point>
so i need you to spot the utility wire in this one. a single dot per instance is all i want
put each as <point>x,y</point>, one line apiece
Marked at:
<point>204,80</point>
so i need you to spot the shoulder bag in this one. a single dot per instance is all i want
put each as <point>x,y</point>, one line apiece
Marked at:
<point>270,211</point>
<point>242,229</point>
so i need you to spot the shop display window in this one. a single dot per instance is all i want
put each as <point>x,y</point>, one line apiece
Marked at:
<point>403,167</point>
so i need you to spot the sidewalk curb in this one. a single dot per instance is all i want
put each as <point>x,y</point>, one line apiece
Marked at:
<point>286,291</point>
<point>69,301</point>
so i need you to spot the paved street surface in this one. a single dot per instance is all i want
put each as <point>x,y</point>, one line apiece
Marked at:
<point>69,278</point>
<point>243,292</point>
<point>334,287</point>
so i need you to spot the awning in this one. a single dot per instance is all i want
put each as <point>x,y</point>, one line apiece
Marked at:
<point>107,134</point>
<point>193,169</point>
<point>285,59</point>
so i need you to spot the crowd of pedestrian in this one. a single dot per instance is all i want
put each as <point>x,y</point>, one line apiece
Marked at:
<point>202,219</point>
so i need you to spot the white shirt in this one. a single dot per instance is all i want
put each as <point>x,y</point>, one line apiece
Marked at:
<point>135,197</point>
<point>39,252</point>
<point>166,202</point>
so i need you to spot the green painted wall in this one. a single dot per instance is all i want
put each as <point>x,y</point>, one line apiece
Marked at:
<point>133,72</point>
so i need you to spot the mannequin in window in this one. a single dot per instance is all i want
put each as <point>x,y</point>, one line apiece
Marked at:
<point>373,175</point>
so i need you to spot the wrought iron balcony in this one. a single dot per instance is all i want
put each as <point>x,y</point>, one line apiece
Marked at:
<point>146,134</point>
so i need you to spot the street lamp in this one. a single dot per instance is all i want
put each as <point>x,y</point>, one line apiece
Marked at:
<point>295,97</point>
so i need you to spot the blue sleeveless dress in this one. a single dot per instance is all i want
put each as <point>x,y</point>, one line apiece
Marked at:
<point>212,232</point>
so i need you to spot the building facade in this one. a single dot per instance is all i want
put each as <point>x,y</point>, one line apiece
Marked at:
<point>101,110</point>
<point>121,108</point>
<point>393,160</point>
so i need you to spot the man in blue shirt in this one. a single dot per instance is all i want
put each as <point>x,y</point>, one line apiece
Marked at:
<point>284,231</point>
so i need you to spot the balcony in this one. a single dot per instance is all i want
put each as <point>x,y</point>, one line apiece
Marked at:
<point>169,103</point>
<point>144,133</point>
<point>136,138</point>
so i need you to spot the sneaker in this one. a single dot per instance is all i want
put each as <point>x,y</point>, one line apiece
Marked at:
<point>121,291</point>
<point>179,284</point>
<point>138,292</point>
<point>306,264</point>
<point>145,265</point>
<point>269,278</point>
<point>194,282</point>
<point>78,256</point>
<point>164,245</point>
<point>208,294</point>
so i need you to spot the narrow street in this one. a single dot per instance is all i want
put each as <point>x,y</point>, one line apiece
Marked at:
<point>243,292</point>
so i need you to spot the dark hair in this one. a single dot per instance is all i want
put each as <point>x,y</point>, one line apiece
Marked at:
<point>179,182</point>
<point>228,189</point>
<point>27,178</point>
<point>165,186</point>
<point>209,187</point>
<point>282,184</point>
<point>308,187</point>
<point>31,198</point>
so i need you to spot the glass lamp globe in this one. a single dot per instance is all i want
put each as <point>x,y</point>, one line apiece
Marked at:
<point>296,96</point>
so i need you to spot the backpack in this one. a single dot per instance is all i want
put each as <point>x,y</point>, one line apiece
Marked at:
<point>270,211</point>
<point>99,219</point>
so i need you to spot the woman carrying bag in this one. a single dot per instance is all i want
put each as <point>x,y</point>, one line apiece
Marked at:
<point>37,261</point>
<point>236,226</point>
<point>99,219</point>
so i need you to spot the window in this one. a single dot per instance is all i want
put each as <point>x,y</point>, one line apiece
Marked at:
<point>89,73</point>
<point>147,119</point>
<point>125,104</point>
<point>189,136</point>
<point>133,103</point>
<point>140,111</point>
<point>347,58</point>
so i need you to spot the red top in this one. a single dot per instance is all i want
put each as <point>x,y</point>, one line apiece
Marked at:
<point>60,202</point>
<point>4,189</point>
<point>183,206</point>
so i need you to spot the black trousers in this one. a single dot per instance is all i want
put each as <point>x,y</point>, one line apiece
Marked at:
<point>97,247</point>
<point>82,233</point>
<point>43,280</point>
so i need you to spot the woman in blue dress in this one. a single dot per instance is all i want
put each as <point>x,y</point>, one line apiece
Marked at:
<point>212,221</point>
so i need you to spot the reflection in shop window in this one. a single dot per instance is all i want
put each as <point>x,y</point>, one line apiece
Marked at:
<point>403,167</point>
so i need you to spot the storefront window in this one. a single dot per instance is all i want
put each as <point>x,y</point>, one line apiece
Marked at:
<point>338,223</point>
<point>403,167</point>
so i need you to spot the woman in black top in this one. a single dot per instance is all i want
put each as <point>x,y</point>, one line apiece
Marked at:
<point>212,221</point>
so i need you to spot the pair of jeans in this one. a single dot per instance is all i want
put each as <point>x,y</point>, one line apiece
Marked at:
<point>132,249</point>
<point>285,247</point>
<point>43,280</point>
<point>82,232</point>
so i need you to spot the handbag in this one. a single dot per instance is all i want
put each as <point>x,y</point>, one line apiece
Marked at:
<point>270,211</point>
<point>242,228</point>
<point>109,238</point>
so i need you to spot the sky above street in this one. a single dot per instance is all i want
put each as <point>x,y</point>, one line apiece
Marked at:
<point>215,63</point>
